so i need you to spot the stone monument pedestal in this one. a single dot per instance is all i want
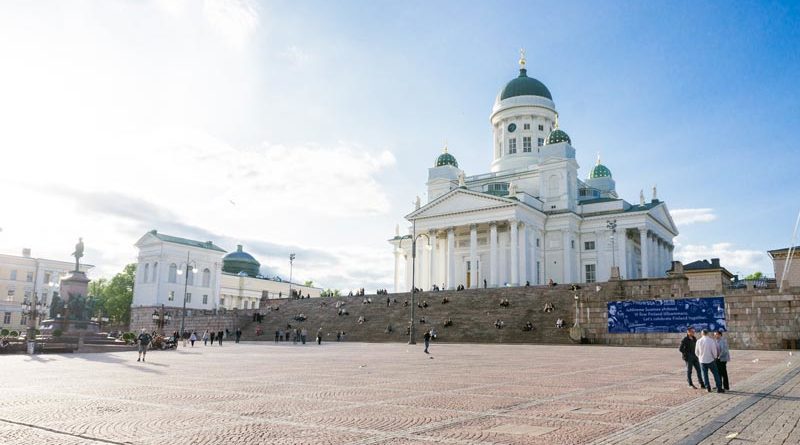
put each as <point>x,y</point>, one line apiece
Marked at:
<point>76,284</point>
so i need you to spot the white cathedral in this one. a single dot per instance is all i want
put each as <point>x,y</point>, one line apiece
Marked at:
<point>531,219</point>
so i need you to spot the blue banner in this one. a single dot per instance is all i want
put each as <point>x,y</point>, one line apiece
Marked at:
<point>642,316</point>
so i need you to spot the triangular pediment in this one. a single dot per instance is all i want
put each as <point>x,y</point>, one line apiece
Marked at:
<point>460,201</point>
<point>661,214</point>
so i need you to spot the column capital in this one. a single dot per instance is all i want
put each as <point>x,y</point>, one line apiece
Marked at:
<point>450,230</point>
<point>473,227</point>
<point>493,224</point>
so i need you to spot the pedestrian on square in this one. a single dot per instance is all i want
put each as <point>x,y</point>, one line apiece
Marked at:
<point>303,335</point>
<point>238,334</point>
<point>276,336</point>
<point>690,358</point>
<point>427,339</point>
<point>295,336</point>
<point>219,337</point>
<point>319,336</point>
<point>213,336</point>
<point>724,358</point>
<point>144,340</point>
<point>205,338</point>
<point>193,338</point>
<point>707,353</point>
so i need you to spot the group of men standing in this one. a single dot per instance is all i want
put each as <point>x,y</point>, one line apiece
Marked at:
<point>710,352</point>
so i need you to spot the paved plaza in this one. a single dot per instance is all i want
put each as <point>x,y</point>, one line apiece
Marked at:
<point>356,393</point>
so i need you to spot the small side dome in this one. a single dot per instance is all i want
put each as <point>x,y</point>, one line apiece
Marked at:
<point>599,170</point>
<point>240,262</point>
<point>556,136</point>
<point>446,159</point>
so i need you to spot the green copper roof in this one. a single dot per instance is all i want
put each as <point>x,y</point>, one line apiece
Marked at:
<point>525,86</point>
<point>446,159</point>
<point>187,242</point>
<point>557,136</point>
<point>240,261</point>
<point>599,171</point>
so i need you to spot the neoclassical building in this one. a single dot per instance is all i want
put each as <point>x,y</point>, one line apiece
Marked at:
<point>531,219</point>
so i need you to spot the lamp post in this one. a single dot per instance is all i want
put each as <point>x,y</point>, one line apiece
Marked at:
<point>577,313</point>
<point>32,310</point>
<point>161,319</point>
<point>186,287</point>
<point>612,226</point>
<point>411,339</point>
<point>291,264</point>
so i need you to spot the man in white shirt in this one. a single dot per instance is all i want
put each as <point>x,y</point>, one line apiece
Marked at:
<point>707,352</point>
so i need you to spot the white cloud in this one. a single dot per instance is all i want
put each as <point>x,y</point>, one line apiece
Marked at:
<point>743,261</point>
<point>684,217</point>
<point>236,20</point>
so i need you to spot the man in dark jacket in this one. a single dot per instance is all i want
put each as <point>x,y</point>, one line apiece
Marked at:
<point>689,356</point>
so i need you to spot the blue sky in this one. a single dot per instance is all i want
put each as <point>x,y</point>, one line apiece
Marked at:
<point>309,126</point>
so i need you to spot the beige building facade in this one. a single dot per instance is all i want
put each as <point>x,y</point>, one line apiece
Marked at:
<point>779,258</point>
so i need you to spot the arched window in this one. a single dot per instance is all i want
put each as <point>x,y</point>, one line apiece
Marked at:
<point>190,277</point>
<point>146,275</point>
<point>206,278</point>
<point>155,272</point>
<point>173,273</point>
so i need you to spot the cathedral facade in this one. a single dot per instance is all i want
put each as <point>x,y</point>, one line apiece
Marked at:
<point>531,219</point>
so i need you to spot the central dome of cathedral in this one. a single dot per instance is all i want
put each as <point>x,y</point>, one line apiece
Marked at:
<point>524,86</point>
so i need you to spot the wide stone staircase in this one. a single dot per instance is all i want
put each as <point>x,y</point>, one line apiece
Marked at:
<point>473,314</point>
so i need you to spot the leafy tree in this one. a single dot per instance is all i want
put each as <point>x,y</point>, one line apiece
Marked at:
<point>754,276</point>
<point>308,283</point>
<point>114,297</point>
<point>330,293</point>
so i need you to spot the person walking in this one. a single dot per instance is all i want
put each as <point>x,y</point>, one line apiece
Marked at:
<point>427,339</point>
<point>238,334</point>
<point>690,358</point>
<point>303,335</point>
<point>205,338</point>
<point>707,353</point>
<point>193,338</point>
<point>213,336</point>
<point>144,341</point>
<point>219,337</point>
<point>724,358</point>
<point>319,335</point>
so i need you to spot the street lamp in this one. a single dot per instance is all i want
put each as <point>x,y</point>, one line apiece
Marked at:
<point>612,226</point>
<point>161,319</point>
<point>413,237</point>
<point>32,310</point>
<point>291,264</point>
<point>188,264</point>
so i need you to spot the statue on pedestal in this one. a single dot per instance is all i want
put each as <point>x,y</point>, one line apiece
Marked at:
<point>78,254</point>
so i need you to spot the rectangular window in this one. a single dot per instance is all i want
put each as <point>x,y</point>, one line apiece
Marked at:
<point>7,318</point>
<point>526,126</point>
<point>205,299</point>
<point>588,245</point>
<point>29,277</point>
<point>46,278</point>
<point>538,243</point>
<point>222,301</point>
<point>572,243</point>
<point>526,144</point>
<point>188,297</point>
<point>11,292</point>
<point>540,142</point>
<point>512,145</point>
<point>538,271</point>
<point>541,127</point>
<point>590,273</point>
<point>171,295</point>
<point>13,275</point>
<point>24,320</point>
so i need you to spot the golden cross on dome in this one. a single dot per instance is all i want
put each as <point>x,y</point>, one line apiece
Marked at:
<point>522,58</point>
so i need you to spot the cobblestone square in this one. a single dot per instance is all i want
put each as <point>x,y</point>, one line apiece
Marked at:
<point>357,393</point>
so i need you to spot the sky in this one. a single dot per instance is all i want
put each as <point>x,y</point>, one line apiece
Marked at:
<point>308,127</point>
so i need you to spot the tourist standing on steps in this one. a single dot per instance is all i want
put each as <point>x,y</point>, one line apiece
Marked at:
<point>724,358</point>
<point>708,353</point>
<point>687,351</point>
<point>144,340</point>
<point>427,339</point>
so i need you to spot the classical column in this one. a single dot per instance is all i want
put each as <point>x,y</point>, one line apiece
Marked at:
<point>532,266</point>
<point>493,266</point>
<point>523,253</point>
<point>643,244</point>
<point>432,272</point>
<point>567,261</point>
<point>514,246</point>
<point>451,258</point>
<point>600,265</point>
<point>621,239</point>
<point>654,263</point>
<point>407,257</point>
<point>397,254</point>
<point>473,256</point>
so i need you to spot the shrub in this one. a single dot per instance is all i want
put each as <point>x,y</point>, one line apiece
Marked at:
<point>4,332</point>
<point>57,333</point>
<point>14,334</point>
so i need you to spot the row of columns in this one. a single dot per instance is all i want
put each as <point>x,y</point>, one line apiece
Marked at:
<point>656,253</point>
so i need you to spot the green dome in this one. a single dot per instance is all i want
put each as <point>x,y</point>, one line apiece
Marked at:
<point>240,261</point>
<point>557,136</point>
<point>525,86</point>
<point>446,159</point>
<point>600,171</point>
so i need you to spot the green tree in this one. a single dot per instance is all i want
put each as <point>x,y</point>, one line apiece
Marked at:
<point>114,297</point>
<point>330,293</point>
<point>308,283</point>
<point>754,276</point>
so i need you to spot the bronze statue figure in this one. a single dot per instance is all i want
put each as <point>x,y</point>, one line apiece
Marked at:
<point>78,254</point>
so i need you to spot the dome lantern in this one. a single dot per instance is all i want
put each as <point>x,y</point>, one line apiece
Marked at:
<point>599,170</point>
<point>524,85</point>
<point>446,159</point>
<point>558,135</point>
